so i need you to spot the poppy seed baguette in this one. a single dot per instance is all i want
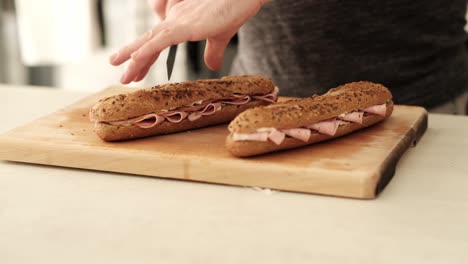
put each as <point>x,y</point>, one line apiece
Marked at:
<point>169,96</point>
<point>303,112</point>
<point>252,148</point>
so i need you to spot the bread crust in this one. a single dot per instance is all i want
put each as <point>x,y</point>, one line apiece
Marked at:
<point>109,132</point>
<point>302,112</point>
<point>252,148</point>
<point>169,96</point>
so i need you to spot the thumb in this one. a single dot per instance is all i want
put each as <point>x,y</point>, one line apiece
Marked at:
<point>214,52</point>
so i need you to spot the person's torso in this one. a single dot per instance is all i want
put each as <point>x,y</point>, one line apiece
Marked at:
<point>416,48</point>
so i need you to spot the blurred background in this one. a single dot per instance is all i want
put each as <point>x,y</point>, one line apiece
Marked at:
<point>66,44</point>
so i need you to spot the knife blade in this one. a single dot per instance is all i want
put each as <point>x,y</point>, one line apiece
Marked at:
<point>170,60</point>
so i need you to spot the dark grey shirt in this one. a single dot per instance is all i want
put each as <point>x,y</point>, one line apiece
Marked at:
<point>414,47</point>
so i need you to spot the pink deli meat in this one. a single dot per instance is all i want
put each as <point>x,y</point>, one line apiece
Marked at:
<point>380,110</point>
<point>146,121</point>
<point>302,134</point>
<point>272,134</point>
<point>276,136</point>
<point>209,109</point>
<point>271,97</point>
<point>327,127</point>
<point>355,117</point>
<point>176,116</point>
<point>194,111</point>
<point>258,136</point>
<point>238,101</point>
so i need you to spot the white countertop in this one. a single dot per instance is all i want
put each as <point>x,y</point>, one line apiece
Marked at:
<point>60,215</point>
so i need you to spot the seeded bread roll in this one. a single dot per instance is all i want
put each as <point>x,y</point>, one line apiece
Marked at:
<point>179,107</point>
<point>169,96</point>
<point>115,133</point>
<point>252,148</point>
<point>303,112</point>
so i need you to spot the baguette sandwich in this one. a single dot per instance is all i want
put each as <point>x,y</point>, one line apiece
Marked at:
<point>179,107</point>
<point>301,122</point>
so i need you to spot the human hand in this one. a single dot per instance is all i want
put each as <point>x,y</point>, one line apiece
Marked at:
<point>217,21</point>
<point>161,7</point>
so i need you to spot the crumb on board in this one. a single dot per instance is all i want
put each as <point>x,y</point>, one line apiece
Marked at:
<point>263,190</point>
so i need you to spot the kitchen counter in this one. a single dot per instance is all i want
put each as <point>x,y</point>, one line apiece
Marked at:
<point>62,215</point>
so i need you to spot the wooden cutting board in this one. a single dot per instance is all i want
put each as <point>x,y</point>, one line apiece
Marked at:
<point>358,165</point>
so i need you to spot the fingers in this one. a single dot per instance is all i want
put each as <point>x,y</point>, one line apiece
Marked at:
<point>131,72</point>
<point>167,37</point>
<point>146,69</point>
<point>124,54</point>
<point>162,7</point>
<point>144,57</point>
<point>214,53</point>
<point>159,7</point>
<point>170,4</point>
<point>137,70</point>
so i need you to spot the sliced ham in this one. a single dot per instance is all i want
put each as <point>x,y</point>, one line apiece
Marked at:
<point>176,116</point>
<point>193,111</point>
<point>149,123</point>
<point>355,117</point>
<point>258,136</point>
<point>380,110</point>
<point>233,100</point>
<point>276,136</point>
<point>327,127</point>
<point>238,101</point>
<point>194,116</point>
<point>271,97</point>
<point>211,108</point>
<point>145,121</point>
<point>302,134</point>
<point>191,108</point>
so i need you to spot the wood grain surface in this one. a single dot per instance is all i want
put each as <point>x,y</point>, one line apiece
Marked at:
<point>358,165</point>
